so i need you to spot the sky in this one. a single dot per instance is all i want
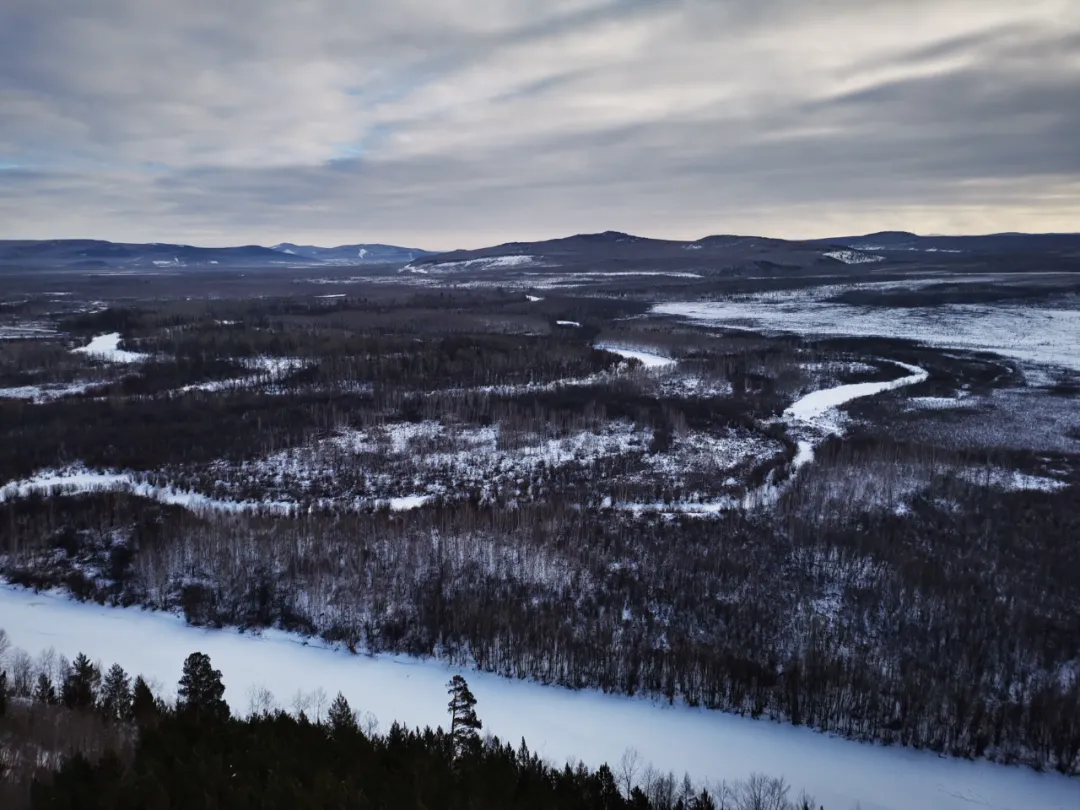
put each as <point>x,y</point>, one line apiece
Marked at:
<point>446,124</point>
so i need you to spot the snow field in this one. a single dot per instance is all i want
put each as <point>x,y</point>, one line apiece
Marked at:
<point>1036,334</point>
<point>648,359</point>
<point>107,348</point>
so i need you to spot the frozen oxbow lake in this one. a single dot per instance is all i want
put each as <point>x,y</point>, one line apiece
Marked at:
<point>560,724</point>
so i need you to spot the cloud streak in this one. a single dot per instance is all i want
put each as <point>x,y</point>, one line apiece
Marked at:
<point>468,122</point>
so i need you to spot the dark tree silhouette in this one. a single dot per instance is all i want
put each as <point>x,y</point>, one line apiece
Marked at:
<point>143,705</point>
<point>201,690</point>
<point>116,694</point>
<point>44,691</point>
<point>341,717</point>
<point>81,685</point>
<point>464,724</point>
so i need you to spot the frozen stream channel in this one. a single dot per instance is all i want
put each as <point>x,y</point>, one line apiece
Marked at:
<point>557,723</point>
<point>818,410</point>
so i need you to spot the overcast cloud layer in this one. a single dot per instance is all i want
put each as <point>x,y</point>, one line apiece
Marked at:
<point>460,123</point>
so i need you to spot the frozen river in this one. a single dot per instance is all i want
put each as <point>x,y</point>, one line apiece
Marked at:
<point>558,723</point>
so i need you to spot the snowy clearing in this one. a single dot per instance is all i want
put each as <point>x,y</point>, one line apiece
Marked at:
<point>559,724</point>
<point>647,358</point>
<point>1036,334</point>
<point>107,348</point>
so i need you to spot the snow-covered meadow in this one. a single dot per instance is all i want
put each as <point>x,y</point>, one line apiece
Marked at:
<point>107,348</point>
<point>560,724</point>
<point>1037,334</point>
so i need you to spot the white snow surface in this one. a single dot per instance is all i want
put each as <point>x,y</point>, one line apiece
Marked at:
<point>48,392</point>
<point>1032,333</point>
<point>559,724</point>
<point>854,257</point>
<point>107,347</point>
<point>817,415</point>
<point>813,407</point>
<point>485,263</point>
<point>1011,480</point>
<point>568,323</point>
<point>77,480</point>
<point>647,358</point>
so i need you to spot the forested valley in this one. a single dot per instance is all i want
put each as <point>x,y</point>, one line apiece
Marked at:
<point>458,476</point>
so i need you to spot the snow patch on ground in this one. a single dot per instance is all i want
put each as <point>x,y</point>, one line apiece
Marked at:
<point>485,263</point>
<point>265,371</point>
<point>854,257</point>
<point>1011,480</point>
<point>647,358</point>
<point>559,724</point>
<point>568,323</point>
<point>79,480</point>
<point>941,403</point>
<point>26,331</point>
<point>48,392</point>
<point>107,348</point>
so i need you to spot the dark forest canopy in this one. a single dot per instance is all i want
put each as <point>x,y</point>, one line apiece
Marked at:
<point>194,754</point>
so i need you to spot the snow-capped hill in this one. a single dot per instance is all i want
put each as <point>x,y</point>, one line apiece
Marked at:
<point>854,257</point>
<point>483,263</point>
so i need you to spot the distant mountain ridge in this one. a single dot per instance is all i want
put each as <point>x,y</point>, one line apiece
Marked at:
<point>614,250</point>
<point>351,254</point>
<point>93,253</point>
<point>745,252</point>
<point>97,253</point>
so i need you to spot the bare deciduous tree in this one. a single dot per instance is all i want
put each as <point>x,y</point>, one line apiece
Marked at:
<point>629,764</point>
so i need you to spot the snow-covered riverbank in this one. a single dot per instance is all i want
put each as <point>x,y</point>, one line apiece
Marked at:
<point>558,723</point>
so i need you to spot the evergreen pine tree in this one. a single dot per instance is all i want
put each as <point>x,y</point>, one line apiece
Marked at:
<point>80,687</point>
<point>116,694</point>
<point>341,717</point>
<point>143,705</point>
<point>201,690</point>
<point>464,724</point>
<point>3,692</point>
<point>44,691</point>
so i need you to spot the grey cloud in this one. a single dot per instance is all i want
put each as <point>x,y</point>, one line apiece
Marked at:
<point>478,121</point>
